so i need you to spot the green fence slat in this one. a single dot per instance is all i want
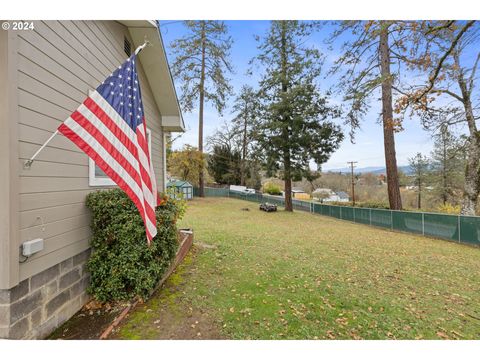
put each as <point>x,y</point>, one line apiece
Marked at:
<point>470,229</point>
<point>381,218</point>
<point>347,213</point>
<point>407,221</point>
<point>441,225</point>
<point>335,211</point>
<point>362,215</point>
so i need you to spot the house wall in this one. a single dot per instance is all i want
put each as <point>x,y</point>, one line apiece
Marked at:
<point>56,65</point>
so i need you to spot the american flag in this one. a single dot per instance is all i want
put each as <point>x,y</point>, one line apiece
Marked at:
<point>110,128</point>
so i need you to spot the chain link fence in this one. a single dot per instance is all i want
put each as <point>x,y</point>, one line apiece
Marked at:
<point>459,228</point>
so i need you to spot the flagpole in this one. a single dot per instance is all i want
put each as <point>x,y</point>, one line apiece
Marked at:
<point>29,162</point>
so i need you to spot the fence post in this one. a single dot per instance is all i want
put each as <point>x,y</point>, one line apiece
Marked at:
<point>459,229</point>
<point>354,214</point>
<point>391,219</point>
<point>341,212</point>
<point>370,216</point>
<point>423,224</point>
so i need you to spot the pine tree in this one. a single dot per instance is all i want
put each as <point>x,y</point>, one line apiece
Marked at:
<point>420,166</point>
<point>294,125</point>
<point>201,64</point>
<point>246,109</point>
<point>448,50</point>
<point>224,165</point>
<point>374,48</point>
<point>448,165</point>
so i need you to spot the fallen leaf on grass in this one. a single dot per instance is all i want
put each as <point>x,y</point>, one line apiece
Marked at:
<point>330,334</point>
<point>442,335</point>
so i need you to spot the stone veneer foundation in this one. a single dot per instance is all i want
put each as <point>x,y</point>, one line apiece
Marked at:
<point>38,305</point>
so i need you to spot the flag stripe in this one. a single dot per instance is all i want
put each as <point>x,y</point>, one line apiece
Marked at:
<point>135,190</point>
<point>105,111</point>
<point>118,151</point>
<point>114,148</point>
<point>107,165</point>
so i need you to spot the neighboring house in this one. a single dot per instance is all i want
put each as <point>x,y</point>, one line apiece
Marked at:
<point>299,194</point>
<point>328,195</point>
<point>342,196</point>
<point>45,74</point>
<point>181,187</point>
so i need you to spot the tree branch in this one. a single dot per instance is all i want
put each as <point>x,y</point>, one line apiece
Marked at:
<point>439,66</point>
<point>472,75</point>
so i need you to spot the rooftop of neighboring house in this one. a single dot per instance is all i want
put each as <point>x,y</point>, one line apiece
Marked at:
<point>342,195</point>
<point>323,190</point>
<point>297,190</point>
<point>178,183</point>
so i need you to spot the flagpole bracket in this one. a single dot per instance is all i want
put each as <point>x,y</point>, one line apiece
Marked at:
<point>29,162</point>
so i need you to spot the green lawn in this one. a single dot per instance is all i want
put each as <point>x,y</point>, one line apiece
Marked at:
<point>282,275</point>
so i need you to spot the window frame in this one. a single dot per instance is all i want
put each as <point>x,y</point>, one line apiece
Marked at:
<point>94,180</point>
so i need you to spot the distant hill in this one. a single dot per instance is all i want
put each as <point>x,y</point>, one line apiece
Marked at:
<point>370,169</point>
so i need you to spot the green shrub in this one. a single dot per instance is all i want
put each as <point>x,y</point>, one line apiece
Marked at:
<point>122,265</point>
<point>272,189</point>
<point>373,205</point>
<point>365,204</point>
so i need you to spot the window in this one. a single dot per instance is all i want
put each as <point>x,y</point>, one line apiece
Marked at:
<point>96,175</point>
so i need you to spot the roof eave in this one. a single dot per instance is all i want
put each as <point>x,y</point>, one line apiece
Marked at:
<point>155,64</point>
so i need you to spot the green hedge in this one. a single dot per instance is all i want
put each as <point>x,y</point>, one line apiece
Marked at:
<point>122,265</point>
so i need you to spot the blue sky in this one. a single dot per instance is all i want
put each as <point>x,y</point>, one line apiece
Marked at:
<point>368,148</point>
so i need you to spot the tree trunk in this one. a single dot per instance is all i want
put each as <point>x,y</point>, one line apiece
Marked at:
<point>472,170</point>
<point>201,180</point>
<point>285,132</point>
<point>445,165</point>
<point>244,150</point>
<point>388,125</point>
<point>419,203</point>
<point>472,177</point>
<point>444,169</point>
<point>288,183</point>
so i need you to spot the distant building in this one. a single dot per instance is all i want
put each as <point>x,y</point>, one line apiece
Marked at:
<point>343,196</point>
<point>299,194</point>
<point>180,187</point>
<point>328,195</point>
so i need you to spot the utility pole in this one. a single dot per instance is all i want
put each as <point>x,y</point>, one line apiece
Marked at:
<point>352,165</point>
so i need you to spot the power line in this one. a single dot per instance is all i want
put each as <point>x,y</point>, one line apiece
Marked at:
<point>169,23</point>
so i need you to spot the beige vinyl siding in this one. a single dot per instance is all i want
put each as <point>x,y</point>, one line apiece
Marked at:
<point>58,64</point>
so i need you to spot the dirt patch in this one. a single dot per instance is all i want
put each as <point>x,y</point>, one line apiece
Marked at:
<point>168,315</point>
<point>87,324</point>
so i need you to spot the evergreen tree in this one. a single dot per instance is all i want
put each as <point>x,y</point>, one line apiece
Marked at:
<point>224,165</point>
<point>420,166</point>
<point>448,165</point>
<point>201,64</point>
<point>293,125</point>
<point>372,61</point>
<point>246,109</point>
